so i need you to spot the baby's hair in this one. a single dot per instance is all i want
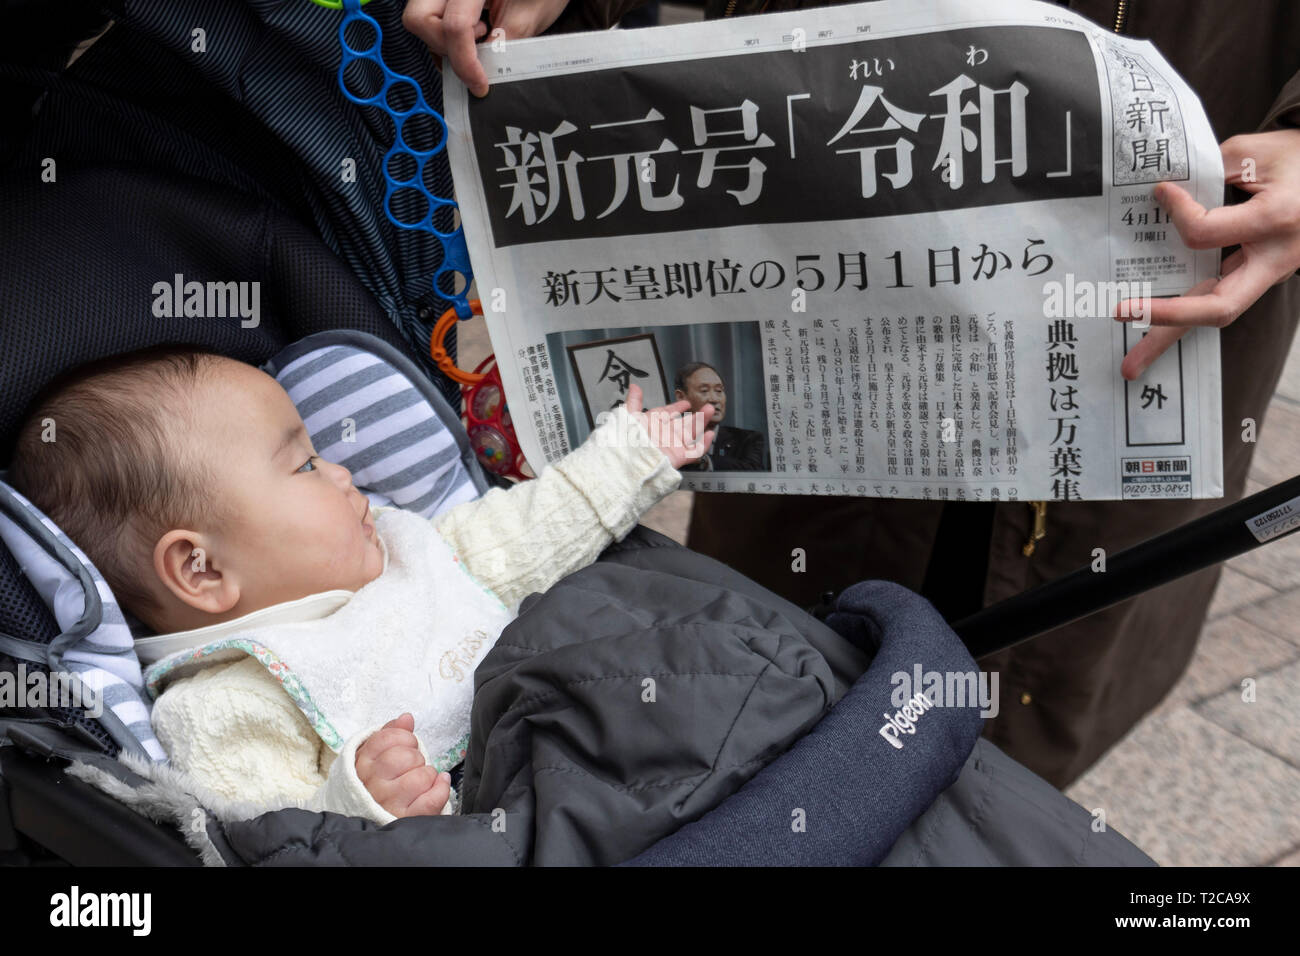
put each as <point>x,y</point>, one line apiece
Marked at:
<point>113,478</point>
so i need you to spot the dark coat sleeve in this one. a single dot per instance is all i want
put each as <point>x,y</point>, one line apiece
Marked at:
<point>582,15</point>
<point>747,455</point>
<point>1285,111</point>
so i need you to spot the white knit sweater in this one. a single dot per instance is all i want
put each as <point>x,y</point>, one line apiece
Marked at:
<point>234,729</point>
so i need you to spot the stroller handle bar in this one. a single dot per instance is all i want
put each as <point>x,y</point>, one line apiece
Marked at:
<point>1215,537</point>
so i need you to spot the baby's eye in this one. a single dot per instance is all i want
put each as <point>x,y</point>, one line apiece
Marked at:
<point>309,461</point>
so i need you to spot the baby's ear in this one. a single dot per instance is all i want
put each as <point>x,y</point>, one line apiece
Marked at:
<point>182,564</point>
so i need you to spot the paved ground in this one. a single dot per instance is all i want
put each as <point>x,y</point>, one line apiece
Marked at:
<point>1207,777</point>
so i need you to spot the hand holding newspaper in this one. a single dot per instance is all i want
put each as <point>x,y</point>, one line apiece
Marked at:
<point>886,241</point>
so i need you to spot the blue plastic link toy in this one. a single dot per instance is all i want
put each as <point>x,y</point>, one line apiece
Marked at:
<point>455,252</point>
<point>490,430</point>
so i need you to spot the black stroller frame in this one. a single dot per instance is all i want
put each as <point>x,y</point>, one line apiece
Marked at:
<point>1218,536</point>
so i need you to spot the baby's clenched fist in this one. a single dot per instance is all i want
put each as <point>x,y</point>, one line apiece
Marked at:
<point>392,769</point>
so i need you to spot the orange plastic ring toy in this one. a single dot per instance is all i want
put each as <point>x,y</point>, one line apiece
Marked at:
<point>439,352</point>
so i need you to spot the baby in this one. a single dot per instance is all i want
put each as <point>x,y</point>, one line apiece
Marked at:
<point>288,613</point>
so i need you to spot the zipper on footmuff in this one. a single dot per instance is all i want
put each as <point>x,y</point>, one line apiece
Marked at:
<point>1040,527</point>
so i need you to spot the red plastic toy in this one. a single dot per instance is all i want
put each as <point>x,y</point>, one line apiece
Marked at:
<point>487,418</point>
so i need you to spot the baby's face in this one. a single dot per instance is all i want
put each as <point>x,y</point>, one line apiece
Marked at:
<point>299,526</point>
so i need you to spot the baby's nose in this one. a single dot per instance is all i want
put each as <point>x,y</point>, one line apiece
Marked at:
<point>341,475</point>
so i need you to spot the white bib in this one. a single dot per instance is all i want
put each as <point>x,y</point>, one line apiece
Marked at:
<point>407,641</point>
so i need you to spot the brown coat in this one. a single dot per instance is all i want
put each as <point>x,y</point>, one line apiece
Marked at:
<point>1067,697</point>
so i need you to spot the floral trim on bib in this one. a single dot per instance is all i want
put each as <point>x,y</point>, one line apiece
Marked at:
<point>452,757</point>
<point>277,668</point>
<point>293,686</point>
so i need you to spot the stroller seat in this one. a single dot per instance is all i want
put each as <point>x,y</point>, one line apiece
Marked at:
<point>181,178</point>
<point>412,451</point>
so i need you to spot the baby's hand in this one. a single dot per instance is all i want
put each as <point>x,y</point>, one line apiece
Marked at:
<point>392,768</point>
<point>674,434</point>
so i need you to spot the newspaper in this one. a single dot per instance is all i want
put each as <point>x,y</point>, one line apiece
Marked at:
<point>888,239</point>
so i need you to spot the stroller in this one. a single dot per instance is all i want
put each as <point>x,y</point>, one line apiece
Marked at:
<point>172,168</point>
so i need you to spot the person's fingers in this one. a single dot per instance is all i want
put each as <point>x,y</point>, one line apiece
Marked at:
<point>419,17</point>
<point>635,398</point>
<point>402,722</point>
<point>396,761</point>
<point>382,741</point>
<point>450,27</point>
<point>1234,151</point>
<point>1203,228</point>
<point>383,738</point>
<point>701,418</point>
<point>1139,310</point>
<point>693,432</point>
<point>431,798</point>
<point>683,428</point>
<point>410,786</point>
<point>676,409</point>
<point>1150,348</point>
<point>701,447</point>
<point>1221,303</point>
<point>423,18</point>
<point>458,35</point>
<point>1242,153</point>
<point>1232,263</point>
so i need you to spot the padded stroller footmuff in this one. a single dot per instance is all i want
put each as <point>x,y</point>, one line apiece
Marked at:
<point>845,792</point>
<point>863,801</point>
<point>999,813</point>
<point>841,795</point>
<point>571,762</point>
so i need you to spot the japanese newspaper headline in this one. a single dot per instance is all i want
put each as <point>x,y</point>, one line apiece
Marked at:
<point>886,240</point>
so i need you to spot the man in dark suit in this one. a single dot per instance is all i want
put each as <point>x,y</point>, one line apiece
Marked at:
<point>733,449</point>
